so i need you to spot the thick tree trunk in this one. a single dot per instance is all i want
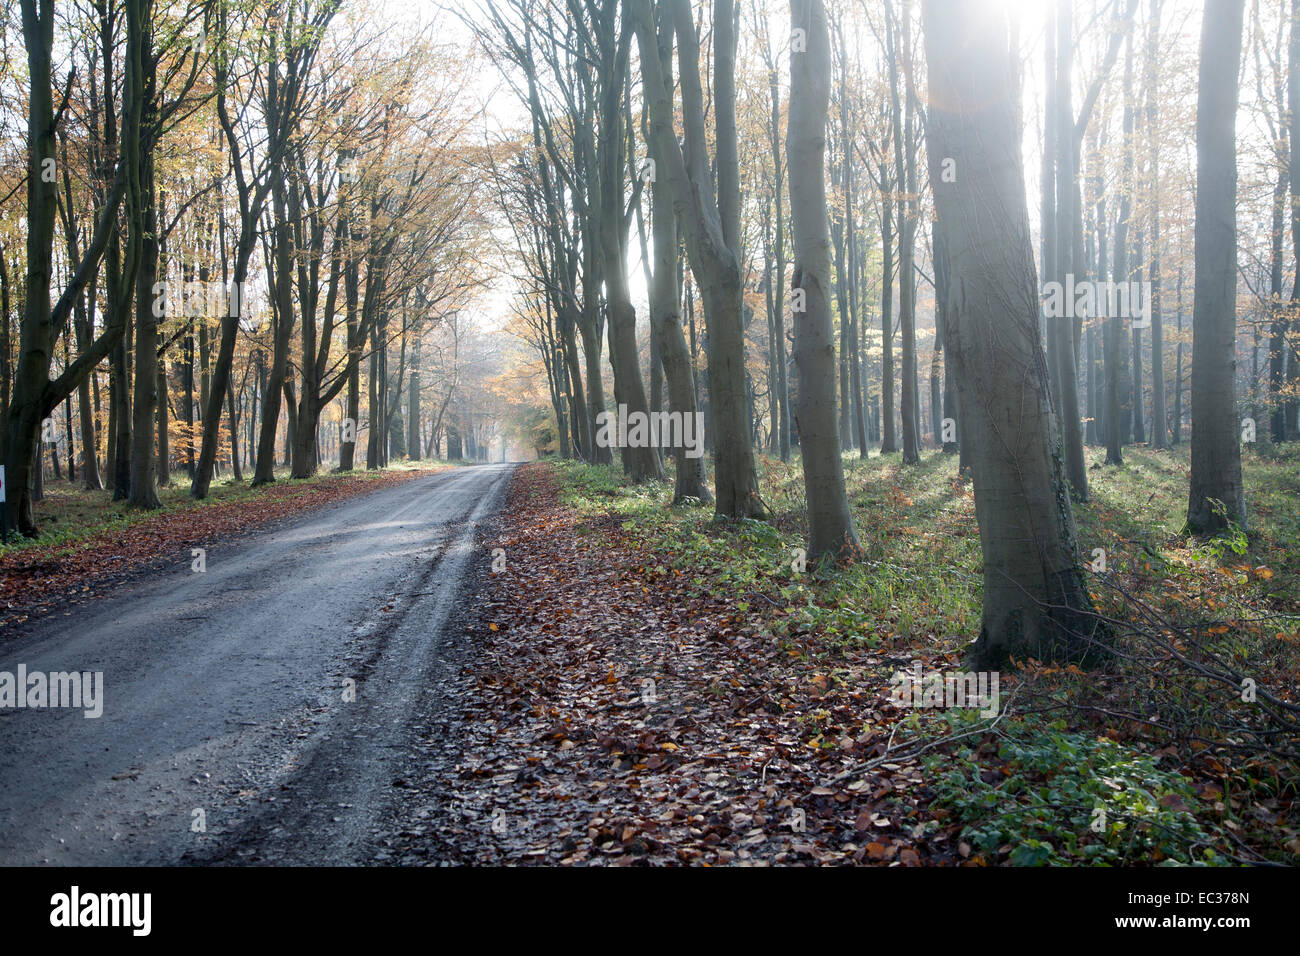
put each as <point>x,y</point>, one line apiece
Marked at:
<point>1035,599</point>
<point>830,522</point>
<point>282,253</point>
<point>304,423</point>
<point>1216,495</point>
<point>614,45</point>
<point>37,335</point>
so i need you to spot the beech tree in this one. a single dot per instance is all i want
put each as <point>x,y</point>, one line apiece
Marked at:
<point>1216,496</point>
<point>286,42</point>
<point>34,394</point>
<point>1036,601</point>
<point>831,532</point>
<point>691,483</point>
<point>711,225</point>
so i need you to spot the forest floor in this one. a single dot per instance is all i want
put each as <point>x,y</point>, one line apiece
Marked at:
<point>89,543</point>
<point>652,687</point>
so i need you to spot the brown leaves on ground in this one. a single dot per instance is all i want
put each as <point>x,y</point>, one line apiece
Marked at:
<point>40,580</point>
<point>614,716</point>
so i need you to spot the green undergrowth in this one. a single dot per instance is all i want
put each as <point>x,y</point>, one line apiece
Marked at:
<point>1036,794</point>
<point>1034,784</point>
<point>919,577</point>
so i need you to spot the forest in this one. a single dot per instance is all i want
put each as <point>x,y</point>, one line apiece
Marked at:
<point>850,431</point>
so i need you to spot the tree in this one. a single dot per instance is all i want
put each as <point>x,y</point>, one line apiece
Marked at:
<point>1290,358</point>
<point>711,224</point>
<point>1216,495</point>
<point>609,43</point>
<point>161,104</point>
<point>1159,411</point>
<point>665,305</point>
<point>1119,398</point>
<point>283,50</point>
<point>34,394</point>
<point>831,532</point>
<point>898,37</point>
<point>1061,332</point>
<point>776,229</point>
<point>1035,599</point>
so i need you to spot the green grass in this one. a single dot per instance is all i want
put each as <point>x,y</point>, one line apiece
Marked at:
<point>916,526</point>
<point>920,576</point>
<point>918,589</point>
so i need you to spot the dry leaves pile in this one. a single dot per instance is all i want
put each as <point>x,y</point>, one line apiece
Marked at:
<point>615,717</point>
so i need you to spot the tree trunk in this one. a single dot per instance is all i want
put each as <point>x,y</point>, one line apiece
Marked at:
<point>283,312</point>
<point>889,443</point>
<point>712,233</point>
<point>1119,413</point>
<point>144,464</point>
<point>691,483</point>
<point>905,163</point>
<point>232,412</point>
<point>1035,599</point>
<point>413,443</point>
<point>830,522</point>
<point>1177,431</point>
<point>1216,495</point>
<point>1159,410</point>
<point>1139,386</point>
<point>36,332</point>
<point>348,440</point>
<point>782,424</point>
<point>164,417</point>
<point>1281,432</point>
<point>1067,364</point>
